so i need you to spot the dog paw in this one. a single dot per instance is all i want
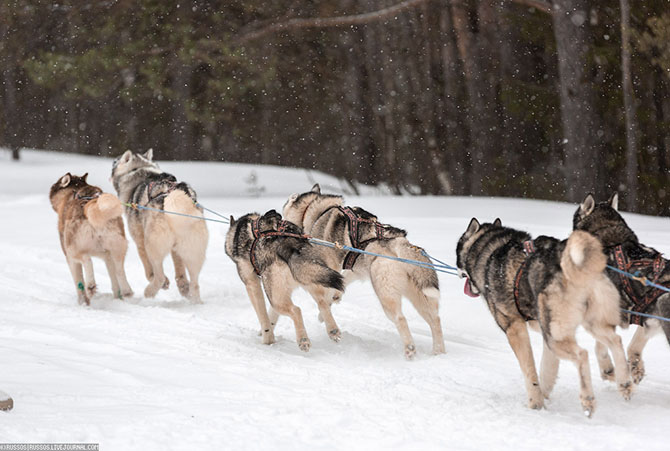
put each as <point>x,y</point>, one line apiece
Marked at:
<point>268,336</point>
<point>636,368</point>
<point>410,352</point>
<point>607,374</point>
<point>150,291</point>
<point>536,404</point>
<point>127,293</point>
<point>83,300</point>
<point>166,284</point>
<point>182,286</point>
<point>91,289</point>
<point>588,405</point>
<point>626,390</point>
<point>335,335</point>
<point>305,344</point>
<point>438,348</point>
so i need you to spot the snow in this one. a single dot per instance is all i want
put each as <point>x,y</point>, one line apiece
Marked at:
<point>163,374</point>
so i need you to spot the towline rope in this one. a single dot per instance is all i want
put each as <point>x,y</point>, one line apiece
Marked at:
<point>441,267</point>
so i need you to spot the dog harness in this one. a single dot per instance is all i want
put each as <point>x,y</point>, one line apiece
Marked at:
<point>354,235</point>
<point>528,249</point>
<point>78,196</point>
<point>171,186</point>
<point>258,235</point>
<point>641,303</point>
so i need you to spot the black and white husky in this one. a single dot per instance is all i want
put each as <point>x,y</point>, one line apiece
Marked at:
<point>139,181</point>
<point>556,285</point>
<point>268,249</point>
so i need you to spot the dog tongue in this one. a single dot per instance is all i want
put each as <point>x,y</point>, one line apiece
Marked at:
<point>468,289</point>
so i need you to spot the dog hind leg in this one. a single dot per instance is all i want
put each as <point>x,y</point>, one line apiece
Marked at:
<point>568,349</point>
<point>91,286</point>
<point>78,277</point>
<point>157,249</point>
<point>548,370</point>
<point>320,295</point>
<point>428,308</point>
<point>277,285</point>
<point>180,274</point>
<point>608,336</point>
<point>604,362</point>
<point>111,270</point>
<point>635,347</point>
<point>517,336</point>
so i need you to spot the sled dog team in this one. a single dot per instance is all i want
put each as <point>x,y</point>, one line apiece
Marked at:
<point>549,285</point>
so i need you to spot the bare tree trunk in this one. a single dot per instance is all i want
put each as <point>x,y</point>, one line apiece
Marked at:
<point>579,115</point>
<point>629,105</point>
<point>476,56</point>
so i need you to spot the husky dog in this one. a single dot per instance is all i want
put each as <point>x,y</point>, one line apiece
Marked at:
<point>626,252</point>
<point>267,249</point>
<point>90,225</point>
<point>324,217</point>
<point>139,181</point>
<point>556,285</point>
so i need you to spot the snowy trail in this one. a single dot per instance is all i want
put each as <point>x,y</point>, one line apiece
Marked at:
<point>163,374</point>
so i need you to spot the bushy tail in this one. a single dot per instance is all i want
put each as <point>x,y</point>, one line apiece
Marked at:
<point>308,271</point>
<point>583,257</point>
<point>101,210</point>
<point>179,202</point>
<point>424,279</point>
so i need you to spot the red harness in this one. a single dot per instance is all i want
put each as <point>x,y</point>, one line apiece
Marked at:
<point>640,303</point>
<point>354,235</point>
<point>256,230</point>
<point>528,249</point>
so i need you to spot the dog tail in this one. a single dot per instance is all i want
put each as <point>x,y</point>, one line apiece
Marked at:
<point>310,271</point>
<point>424,279</point>
<point>180,202</point>
<point>103,209</point>
<point>583,257</point>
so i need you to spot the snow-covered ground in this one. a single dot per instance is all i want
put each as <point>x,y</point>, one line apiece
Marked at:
<point>162,374</point>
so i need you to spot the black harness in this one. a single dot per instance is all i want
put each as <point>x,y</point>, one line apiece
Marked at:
<point>354,220</point>
<point>171,186</point>
<point>528,249</point>
<point>651,268</point>
<point>258,235</point>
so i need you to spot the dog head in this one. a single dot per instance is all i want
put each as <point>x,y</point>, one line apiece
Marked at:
<point>130,161</point>
<point>603,220</point>
<point>65,187</point>
<point>473,232</point>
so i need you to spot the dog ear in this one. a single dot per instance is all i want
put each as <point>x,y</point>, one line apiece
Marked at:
<point>614,201</point>
<point>586,207</point>
<point>65,180</point>
<point>473,226</point>
<point>232,220</point>
<point>316,188</point>
<point>149,154</point>
<point>83,177</point>
<point>127,155</point>
<point>497,222</point>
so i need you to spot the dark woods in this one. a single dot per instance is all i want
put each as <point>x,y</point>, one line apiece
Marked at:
<point>511,98</point>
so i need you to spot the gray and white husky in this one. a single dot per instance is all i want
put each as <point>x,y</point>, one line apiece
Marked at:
<point>268,249</point>
<point>324,217</point>
<point>138,180</point>
<point>554,286</point>
<point>625,251</point>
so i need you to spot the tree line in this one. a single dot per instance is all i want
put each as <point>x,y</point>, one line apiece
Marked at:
<point>533,98</point>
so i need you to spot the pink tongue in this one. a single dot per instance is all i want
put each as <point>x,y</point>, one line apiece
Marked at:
<point>468,289</point>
